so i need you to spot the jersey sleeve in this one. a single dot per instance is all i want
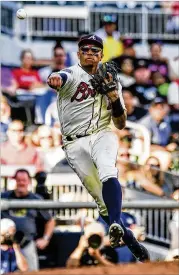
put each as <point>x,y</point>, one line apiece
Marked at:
<point>66,76</point>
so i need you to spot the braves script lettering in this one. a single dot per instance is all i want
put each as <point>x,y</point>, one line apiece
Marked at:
<point>83,92</point>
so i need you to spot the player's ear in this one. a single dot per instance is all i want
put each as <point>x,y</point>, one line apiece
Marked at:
<point>78,54</point>
<point>101,56</point>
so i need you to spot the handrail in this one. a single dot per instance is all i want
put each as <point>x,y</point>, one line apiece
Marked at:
<point>36,204</point>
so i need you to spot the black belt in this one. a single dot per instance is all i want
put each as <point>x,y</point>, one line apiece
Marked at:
<point>69,138</point>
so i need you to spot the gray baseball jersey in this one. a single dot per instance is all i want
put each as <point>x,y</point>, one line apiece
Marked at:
<point>84,112</point>
<point>81,110</point>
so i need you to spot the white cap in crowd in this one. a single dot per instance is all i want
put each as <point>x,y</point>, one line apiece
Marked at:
<point>6,224</point>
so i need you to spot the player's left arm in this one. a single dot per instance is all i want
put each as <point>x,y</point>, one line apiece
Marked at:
<point>119,112</point>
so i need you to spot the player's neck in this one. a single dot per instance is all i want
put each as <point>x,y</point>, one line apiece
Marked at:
<point>90,69</point>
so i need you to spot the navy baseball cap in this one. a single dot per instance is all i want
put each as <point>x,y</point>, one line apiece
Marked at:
<point>158,100</point>
<point>110,18</point>
<point>90,39</point>
<point>141,63</point>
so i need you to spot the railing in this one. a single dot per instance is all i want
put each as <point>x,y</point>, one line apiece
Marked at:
<point>46,205</point>
<point>154,216</point>
<point>66,21</point>
<point>8,10</point>
<point>137,23</point>
<point>69,22</point>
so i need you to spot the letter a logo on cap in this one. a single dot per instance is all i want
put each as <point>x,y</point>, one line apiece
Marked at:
<point>92,37</point>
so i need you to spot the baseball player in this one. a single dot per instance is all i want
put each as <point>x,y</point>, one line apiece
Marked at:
<point>89,97</point>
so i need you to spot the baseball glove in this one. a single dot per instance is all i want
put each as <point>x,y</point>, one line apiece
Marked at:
<point>98,81</point>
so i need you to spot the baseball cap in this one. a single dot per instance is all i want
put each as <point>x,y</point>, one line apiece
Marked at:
<point>141,63</point>
<point>5,224</point>
<point>91,38</point>
<point>128,42</point>
<point>109,18</point>
<point>158,100</point>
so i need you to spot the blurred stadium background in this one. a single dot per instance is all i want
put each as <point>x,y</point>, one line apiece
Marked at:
<point>148,159</point>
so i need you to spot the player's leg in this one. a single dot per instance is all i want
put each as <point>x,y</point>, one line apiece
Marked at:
<point>79,159</point>
<point>104,153</point>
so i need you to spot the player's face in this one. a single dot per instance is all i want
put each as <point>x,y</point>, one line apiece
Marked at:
<point>89,55</point>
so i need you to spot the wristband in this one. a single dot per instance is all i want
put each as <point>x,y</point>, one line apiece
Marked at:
<point>46,237</point>
<point>117,109</point>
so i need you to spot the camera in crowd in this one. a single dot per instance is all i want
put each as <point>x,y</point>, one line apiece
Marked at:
<point>9,235</point>
<point>94,234</point>
<point>9,239</point>
<point>95,241</point>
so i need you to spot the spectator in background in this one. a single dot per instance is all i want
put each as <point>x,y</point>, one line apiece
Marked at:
<point>149,178</point>
<point>174,231</point>
<point>173,21</point>
<point>162,84</point>
<point>154,172</point>
<point>57,135</point>
<point>173,93</point>
<point>157,122</point>
<point>15,151</point>
<point>25,219</point>
<point>27,85</point>
<point>123,159</point>
<point>12,259</point>
<point>5,117</point>
<point>143,89</point>
<point>112,46</point>
<point>174,68</point>
<point>49,154</point>
<point>173,98</point>
<point>126,65</point>
<point>91,250</point>
<point>25,77</point>
<point>134,113</point>
<point>58,63</point>
<point>41,189</point>
<point>157,63</point>
<point>51,115</point>
<point>128,47</point>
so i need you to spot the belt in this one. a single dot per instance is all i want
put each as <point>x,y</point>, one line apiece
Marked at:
<point>70,138</point>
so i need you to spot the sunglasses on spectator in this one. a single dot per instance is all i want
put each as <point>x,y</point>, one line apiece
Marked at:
<point>16,130</point>
<point>58,55</point>
<point>125,155</point>
<point>86,49</point>
<point>154,166</point>
<point>46,137</point>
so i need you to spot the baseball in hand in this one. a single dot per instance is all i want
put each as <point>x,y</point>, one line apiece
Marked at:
<point>21,14</point>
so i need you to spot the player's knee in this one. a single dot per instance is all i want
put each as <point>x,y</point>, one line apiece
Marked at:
<point>107,173</point>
